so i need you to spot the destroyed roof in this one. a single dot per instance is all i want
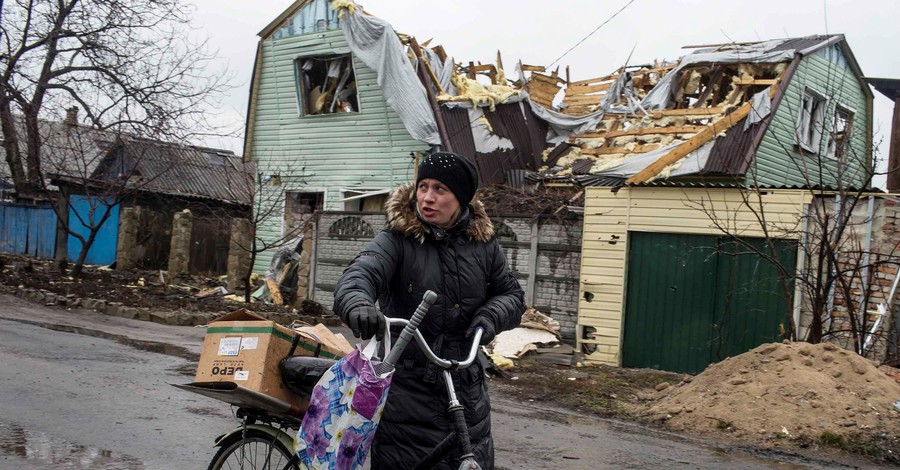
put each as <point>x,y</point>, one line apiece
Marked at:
<point>703,115</point>
<point>180,170</point>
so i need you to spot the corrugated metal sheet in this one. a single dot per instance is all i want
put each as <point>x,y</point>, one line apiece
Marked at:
<point>459,130</point>
<point>729,151</point>
<point>801,44</point>
<point>520,125</point>
<point>582,166</point>
<point>523,129</point>
<point>182,170</point>
<point>557,153</point>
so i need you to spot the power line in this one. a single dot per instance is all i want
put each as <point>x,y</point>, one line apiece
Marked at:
<point>591,33</point>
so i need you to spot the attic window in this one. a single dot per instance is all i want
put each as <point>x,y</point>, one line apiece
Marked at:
<point>811,120</point>
<point>841,128</point>
<point>327,85</point>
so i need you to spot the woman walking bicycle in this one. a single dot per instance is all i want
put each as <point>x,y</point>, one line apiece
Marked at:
<point>438,238</point>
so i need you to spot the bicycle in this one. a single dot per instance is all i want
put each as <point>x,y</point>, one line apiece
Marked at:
<point>265,439</point>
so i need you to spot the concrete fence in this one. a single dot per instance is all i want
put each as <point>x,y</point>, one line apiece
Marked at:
<point>543,253</point>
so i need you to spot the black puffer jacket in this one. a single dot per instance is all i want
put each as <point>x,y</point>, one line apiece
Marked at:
<point>467,269</point>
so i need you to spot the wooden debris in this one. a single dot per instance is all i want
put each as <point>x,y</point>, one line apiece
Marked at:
<point>274,292</point>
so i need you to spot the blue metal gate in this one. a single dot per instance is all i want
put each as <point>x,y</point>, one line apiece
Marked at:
<point>28,230</point>
<point>88,211</point>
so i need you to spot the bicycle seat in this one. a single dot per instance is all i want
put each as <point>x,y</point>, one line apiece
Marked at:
<point>301,373</point>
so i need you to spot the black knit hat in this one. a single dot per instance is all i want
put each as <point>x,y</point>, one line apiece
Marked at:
<point>454,170</point>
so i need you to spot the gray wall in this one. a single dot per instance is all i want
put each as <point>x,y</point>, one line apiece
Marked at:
<point>544,254</point>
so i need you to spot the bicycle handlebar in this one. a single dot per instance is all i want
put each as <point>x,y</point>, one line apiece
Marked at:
<point>423,345</point>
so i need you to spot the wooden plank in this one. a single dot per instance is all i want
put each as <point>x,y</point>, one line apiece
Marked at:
<point>645,131</point>
<point>274,292</point>
<point>585,89</point>
<point>615,150</point>
<point>533,68</point>
<point>702,137</point>
<point>583,100</point>
<point>715,111</point>
<point>553,80</point>
<point>713,82</point>
<point>593,81</point>
<point>754,81</point>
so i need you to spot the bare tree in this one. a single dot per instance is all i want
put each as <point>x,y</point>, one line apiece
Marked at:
<point>841,278</point>
<point>273,193</point>
<point>93,185</point>
<point>126,63</point>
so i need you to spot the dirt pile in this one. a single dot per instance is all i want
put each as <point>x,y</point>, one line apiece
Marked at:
<point>794,393</point>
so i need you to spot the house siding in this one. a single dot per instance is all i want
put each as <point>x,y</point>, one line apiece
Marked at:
<point>778,162</point>
<point>610,216</point>
<point>367,150</point>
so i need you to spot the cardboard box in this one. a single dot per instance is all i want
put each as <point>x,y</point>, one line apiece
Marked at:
<point>245,348</point>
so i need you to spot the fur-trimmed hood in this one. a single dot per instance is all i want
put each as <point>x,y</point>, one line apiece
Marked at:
<point>402,217</point>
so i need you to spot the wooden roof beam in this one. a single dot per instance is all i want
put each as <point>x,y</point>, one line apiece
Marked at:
<point>702,137</point>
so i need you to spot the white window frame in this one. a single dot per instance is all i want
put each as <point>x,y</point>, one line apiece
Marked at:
<point>811,119</point>
<point>851,117</point>
<point>357,194</point>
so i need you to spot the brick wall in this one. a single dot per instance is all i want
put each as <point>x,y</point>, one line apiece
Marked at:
<point>547,266</point>
<point>877,265</point>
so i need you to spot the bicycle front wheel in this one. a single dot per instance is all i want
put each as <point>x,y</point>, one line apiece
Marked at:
<point>253,451</point>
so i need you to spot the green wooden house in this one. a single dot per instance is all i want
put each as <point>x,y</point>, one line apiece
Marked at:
<point>318,126</point>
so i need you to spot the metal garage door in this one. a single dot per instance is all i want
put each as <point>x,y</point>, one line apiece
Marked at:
<point>693,300</point>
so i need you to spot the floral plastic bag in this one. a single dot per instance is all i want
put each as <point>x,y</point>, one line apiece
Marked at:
<point>343,413</point>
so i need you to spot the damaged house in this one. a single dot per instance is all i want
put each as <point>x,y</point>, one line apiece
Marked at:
<point>677,159</point>
<point>341,109</point>
<point>666,156</point>
<point>135,186</point>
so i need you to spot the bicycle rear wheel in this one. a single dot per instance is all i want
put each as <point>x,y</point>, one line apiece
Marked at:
<point>253,451</point>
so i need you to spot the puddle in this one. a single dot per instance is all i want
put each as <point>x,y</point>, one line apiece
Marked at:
<point>48,452</point>
<point>149,346</point>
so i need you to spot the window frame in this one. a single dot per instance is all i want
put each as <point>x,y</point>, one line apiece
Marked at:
<point>302,93</point>
<point>811,121</point>
<point>831,148</point>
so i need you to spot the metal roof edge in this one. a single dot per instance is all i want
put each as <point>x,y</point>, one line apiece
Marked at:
<point>271,27</point>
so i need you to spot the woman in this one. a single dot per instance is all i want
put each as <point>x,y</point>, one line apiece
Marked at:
<point>438,238</point>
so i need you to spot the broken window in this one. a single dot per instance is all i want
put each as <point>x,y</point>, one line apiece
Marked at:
<point>365,200</point>
<point>327,85</point>
<point>841,128</point>
<point>811,120</point>
<point>300,208</point>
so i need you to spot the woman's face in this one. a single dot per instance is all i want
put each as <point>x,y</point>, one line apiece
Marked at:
<point>436,203</point>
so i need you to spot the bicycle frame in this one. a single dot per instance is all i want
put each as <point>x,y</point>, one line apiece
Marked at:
<point>459,437</point>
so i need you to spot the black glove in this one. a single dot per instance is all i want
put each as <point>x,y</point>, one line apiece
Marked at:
<point>366,321</point>
<point>485,323</point>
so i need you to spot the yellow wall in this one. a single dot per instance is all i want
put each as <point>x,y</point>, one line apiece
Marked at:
<point>608,217</point>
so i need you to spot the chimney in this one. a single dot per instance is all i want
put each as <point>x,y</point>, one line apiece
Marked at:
<point>72,116</point>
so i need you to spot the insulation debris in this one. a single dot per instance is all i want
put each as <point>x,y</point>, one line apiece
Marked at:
<point>480,94</point>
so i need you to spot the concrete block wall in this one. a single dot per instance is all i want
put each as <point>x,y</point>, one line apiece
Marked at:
<point>340,236</point>
<point>126,249</point>
<point>552,280</point>
<point>180,252</point>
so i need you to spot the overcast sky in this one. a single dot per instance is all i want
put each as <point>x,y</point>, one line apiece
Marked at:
<point>539,32</point>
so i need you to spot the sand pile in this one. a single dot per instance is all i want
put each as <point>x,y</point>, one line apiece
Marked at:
<point>796,391</point>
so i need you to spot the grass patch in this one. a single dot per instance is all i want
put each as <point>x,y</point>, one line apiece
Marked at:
<point>832,439</point>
